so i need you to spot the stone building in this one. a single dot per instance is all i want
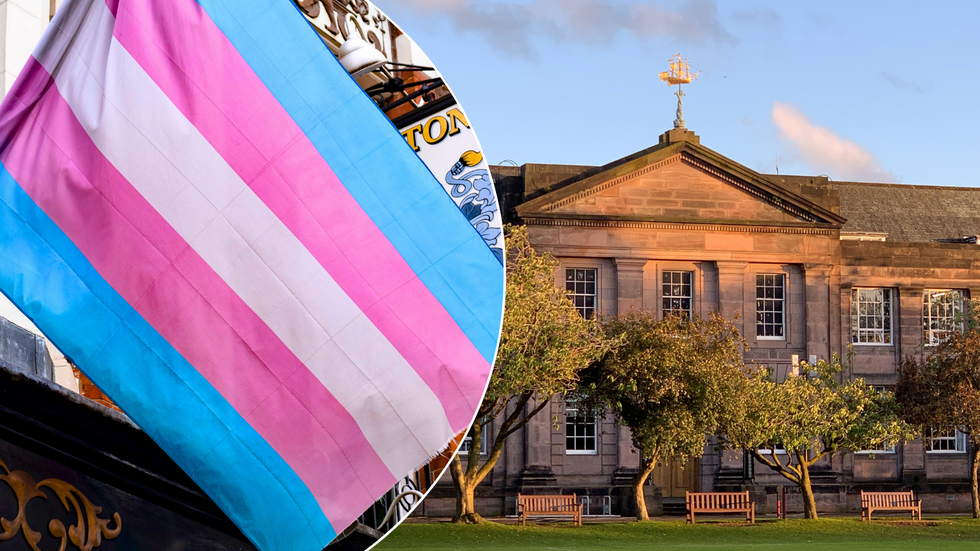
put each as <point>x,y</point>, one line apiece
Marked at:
<point>808,266</point>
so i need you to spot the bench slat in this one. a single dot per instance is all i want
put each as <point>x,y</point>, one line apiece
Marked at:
<point>720,502</point>
<point>889,501</point>
<point>549,505</point>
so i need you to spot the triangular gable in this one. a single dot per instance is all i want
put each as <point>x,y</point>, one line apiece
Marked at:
<point>678,182</point>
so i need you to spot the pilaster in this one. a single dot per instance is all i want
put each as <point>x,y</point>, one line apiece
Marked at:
<point>537,470</point>
<point>731,292</point>
<point>914,464</point>
<point>629,282</point>
<point>909,333</point>
<point>818,310</point>
<point>538,436</point>
<point>628,458</point>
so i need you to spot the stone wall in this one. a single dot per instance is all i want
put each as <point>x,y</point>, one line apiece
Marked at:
<point>637,218</point>
<point>677,191</point>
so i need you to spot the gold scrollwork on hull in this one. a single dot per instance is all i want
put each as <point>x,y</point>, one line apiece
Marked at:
<point>86,533</point>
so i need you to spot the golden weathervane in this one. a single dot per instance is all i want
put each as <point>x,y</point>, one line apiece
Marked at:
<point>679,73</point>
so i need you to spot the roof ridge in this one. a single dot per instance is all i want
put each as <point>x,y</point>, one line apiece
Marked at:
<point>896,185</point>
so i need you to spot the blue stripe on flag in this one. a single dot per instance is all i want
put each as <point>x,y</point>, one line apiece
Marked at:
<point>58,289</point>
<point>375,164</point>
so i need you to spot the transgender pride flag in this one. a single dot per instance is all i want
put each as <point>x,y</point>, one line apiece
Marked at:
<point>212,220</point>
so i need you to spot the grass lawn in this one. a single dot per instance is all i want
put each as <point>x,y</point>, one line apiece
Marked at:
<point>829,533</point>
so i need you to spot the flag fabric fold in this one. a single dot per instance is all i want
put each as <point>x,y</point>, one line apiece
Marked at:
<point>210,218</point>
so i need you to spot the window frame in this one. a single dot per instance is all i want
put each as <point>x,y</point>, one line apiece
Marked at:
<point>665,297</point>
<point>768,451</point>
<point>959,308</point>
<point>855,316</point>
<point>464,445</point>
<point>959,442</point>
<point>571,408</point>
<point>572,294</point>
<point>782,301</point>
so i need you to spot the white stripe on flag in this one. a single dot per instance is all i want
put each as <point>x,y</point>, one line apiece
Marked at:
<point>143,134</point>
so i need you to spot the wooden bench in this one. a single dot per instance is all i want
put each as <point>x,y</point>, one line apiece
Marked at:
<point>549,506</point>
<point>720,502</point>
<point>889,501</point>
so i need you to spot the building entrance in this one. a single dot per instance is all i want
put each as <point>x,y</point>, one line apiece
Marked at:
<point>675,478</point>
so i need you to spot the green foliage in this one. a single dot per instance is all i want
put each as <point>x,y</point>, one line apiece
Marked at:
<point>544,344</point>
<point>671,381</point>
<point>943,388</point>
<point>812,415</point>
<point>817,413</point>
<point>545,341</point>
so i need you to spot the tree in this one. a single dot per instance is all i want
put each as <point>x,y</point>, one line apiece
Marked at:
<point>671,381</point>
<point>544,344</point>
<point>810,416</point>
<point>942,390</point>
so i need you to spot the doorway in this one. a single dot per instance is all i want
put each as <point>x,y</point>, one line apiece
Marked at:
<point>675,478</point>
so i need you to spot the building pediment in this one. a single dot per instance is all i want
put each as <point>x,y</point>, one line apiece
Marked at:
<point>678,181</point>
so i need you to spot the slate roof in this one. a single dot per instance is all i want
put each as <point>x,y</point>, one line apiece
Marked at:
<point>910,213</point>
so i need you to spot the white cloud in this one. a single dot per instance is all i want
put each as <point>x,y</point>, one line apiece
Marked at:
<point>512,27</point>
<point>825,151</point>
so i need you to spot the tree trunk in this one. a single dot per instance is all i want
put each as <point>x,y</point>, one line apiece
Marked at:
<point>806,490</point>
<point>641,503</point>
<point>465,496</point>
<point>974,465</point>
<point>468,514</point>
<point>456,472</point>
<point>466,481</point>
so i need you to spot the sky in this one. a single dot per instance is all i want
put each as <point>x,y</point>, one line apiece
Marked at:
<point>854,90</point>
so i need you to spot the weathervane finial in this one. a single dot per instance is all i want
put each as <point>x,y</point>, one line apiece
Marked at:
<point>679,73</point>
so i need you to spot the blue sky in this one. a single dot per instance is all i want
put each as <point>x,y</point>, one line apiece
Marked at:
<point>870,91</point>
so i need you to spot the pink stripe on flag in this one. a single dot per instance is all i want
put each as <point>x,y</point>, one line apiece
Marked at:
<point>244,122</point>
<point>172,287</point>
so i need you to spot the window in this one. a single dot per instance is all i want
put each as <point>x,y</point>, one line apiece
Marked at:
<point>770,306</point>
<point>946,440</point>
<point>778,448</point>
<point>941,312</point>
<point>871,316</point>
<point>580,431</point>
<point>464,446</point>
<point>678,293</point>
<point>580,285</point>
<point>887,448</point>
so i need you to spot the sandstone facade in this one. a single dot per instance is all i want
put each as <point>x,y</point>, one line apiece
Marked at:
<point>621,232</point>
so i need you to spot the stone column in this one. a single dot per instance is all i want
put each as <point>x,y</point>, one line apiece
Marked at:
<point>629,284</point>
<point>537,470</point>
<point>913,461</point>
<point>907,331</point>
<point>627,466</point>
<point>538,430</point>
<point>817,311</point>
<point>21,24</point>
<point>628,458</point>
<point>836,331</point>
<point>844,309</point>
<point>731,292</point>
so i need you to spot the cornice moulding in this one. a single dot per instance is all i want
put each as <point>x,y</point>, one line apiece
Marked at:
<point>690,226</point>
